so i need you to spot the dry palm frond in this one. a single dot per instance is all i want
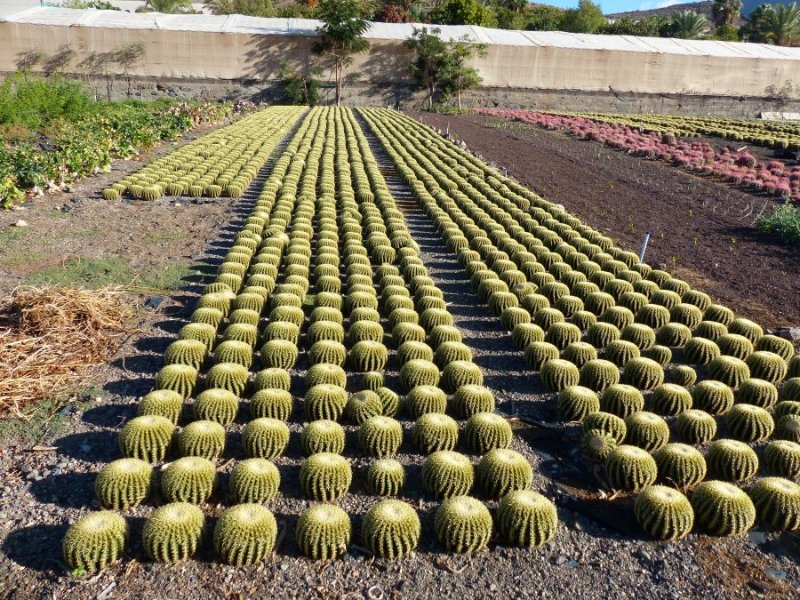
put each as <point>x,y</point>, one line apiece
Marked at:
<point>50,337</point>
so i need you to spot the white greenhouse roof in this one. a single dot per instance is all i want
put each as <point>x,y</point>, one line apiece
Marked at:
<point>30,12</point>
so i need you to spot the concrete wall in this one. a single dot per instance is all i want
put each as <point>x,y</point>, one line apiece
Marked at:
<point>214,65</point>
<point>391,94</point>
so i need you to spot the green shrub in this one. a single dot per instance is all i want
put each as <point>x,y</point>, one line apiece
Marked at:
<point>784,222</point>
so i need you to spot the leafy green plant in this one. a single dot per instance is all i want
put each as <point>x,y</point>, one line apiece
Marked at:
<point>300,87</point>
<point>783,222</point>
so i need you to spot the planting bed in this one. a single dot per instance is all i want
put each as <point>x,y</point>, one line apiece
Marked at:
<point>377,276</point>
<point>702,230</point>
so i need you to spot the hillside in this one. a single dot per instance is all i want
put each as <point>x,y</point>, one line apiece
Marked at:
<point>699,7</point>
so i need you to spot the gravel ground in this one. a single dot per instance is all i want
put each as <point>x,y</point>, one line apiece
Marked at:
<point>596,551</point>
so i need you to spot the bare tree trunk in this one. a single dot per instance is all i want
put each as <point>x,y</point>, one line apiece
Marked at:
<point>458,99</point>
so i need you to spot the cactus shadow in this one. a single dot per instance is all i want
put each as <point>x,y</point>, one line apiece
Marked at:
<point>139,363</point>
<point>134,548</point>
<point>129,388</point>
<point>153,344</point>
<point>182,307</point>
<point>171,326</point>
<point>290,481</point>
<point>109,415</point>
<point>286,544</point>
<point>70,490</point>
<point>94,447</point>
<point>785,545</point>
<point>37,547</point>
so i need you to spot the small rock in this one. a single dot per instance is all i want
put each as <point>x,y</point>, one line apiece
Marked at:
<point>790,333</point>
<point>560,560</point>
<point>20,223</point>
<point>155,301</point>
<point>757,537</point>
<point>25,469</point>
<point>775,573</point>
<point>757,587</point>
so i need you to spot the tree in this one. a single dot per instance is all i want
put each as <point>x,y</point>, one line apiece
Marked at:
<point>463,12</point>
<point>431,57</point>
<point>393,12</point>
<point>341,36</point>
<point>300,87</point>
<point>727,33</point>
<point>757,27</point>
<point>440,66</point>
<point>417,13</point>
<point>167,6</point>
<point>783,24</point>
<point>84,4</point>
<point>726,12</point>
<point>253,8</point>
<point>127,57</point>
<point>587,18</point>
<point>458,76</point>
<point>647,27</point>
<point>508,19</point>
<point>515,5</point>
<point>542,17</point>
<point>688,25</point>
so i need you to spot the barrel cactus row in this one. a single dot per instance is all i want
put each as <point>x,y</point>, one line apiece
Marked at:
<point>632,352</point>
<point>323,267</point>
<point>222,163</point>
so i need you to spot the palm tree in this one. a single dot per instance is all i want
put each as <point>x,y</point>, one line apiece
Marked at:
<point>783,24</point>
<point>688,25</point>
<point>726,12</point>
<point>755,30</point>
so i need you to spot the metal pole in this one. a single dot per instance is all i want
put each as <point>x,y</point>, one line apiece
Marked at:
<point>644,245</point>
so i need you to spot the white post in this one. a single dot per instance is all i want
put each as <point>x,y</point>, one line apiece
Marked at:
<point>644,245</point>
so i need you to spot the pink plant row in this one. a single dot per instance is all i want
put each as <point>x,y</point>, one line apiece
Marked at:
<point>740,168</point>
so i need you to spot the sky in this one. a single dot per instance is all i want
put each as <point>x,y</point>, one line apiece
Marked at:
<point>615,6</point>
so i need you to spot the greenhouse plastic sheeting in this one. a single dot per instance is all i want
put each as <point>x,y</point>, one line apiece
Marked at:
<point>235,47</point>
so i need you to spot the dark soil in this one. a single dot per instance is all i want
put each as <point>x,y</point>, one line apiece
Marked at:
<point>76,237</point>
<point>701,229</point>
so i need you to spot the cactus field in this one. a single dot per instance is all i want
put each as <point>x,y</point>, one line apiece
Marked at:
<point>405,373</point>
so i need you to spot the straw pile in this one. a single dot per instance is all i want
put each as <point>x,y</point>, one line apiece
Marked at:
<point>50,337</point>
